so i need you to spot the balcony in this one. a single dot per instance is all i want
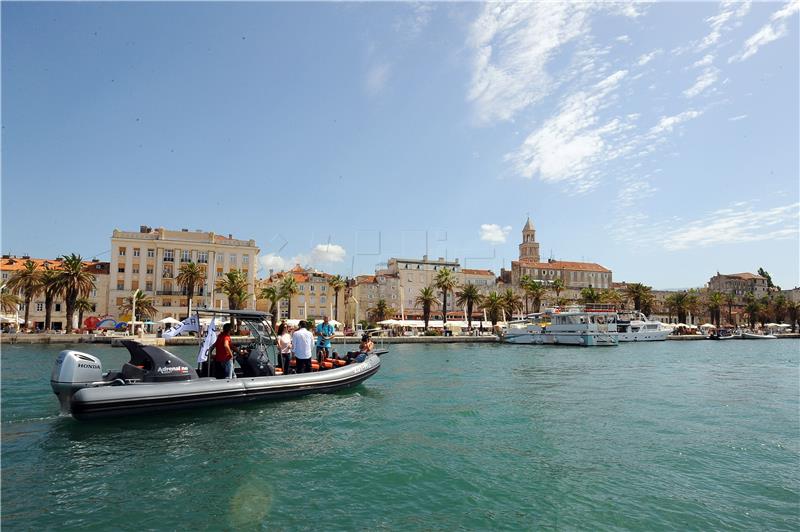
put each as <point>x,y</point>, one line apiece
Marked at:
<point>198,293</point>
<point>168,259</point>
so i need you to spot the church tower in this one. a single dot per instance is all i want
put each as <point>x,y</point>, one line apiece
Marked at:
<point>529,248</point>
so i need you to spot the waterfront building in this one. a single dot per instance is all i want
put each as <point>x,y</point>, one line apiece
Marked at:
<point>401,281</point>
<point>150,260</point>
<point>98,297</point>
<point>314,298</point>
<point>575,275</point>
<point>739,284</point>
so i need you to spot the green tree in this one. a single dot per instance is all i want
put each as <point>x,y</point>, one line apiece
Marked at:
<point>144,306</point>
<point>512,303</point>
<point>8,300</point>
<point>381,311</point>
<point>468,296</point>
<point>693,303</point>
<point>764,273</point>
<point>28,282</point>
<point>641,295</point>
<point>557,286</point>
<point>289,288</point>
<point>714,305</point>
<point>752,307</point>
<point>676,303</point>
<point>793,310</point>
<point>82,305</point>
<point>590,295</point>
<point>426,299</point>
<point>610,296</point>
<point>336,283</point>
<point>190,276</point>
<point>778,306</point>
<point>493,303</point>
<point>535,291</point>
<point>273,294</point>
<point>52,289</point>
<point>75,281</point>
<point>730,301</point>
<point>445,281</point>
<point>234,285</point>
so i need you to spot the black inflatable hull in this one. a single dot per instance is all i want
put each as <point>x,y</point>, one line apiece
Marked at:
<point>137,399</point>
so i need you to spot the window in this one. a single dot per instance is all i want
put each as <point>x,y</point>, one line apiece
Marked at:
<point>121,252</point>
<point>39,307</point>
<point>245,259</point>
<point>58,307</point>
<point>151,253</point>
<point>167,303</point>
<point>119,301</point>
<point>232,259</point>
<point>186,255</point>
<point>302,288</point>
<point>324,288</point>
<point>120,285</point>
<point>5,275</point>
<point>94,307</point>
<point>94,292</point>
<point>311,288</point>
<point>148,286</point>
<point>149,269</point>
<point>167,273</point>
<point>121,268</point>
<point>135,252</point>
<point>169,255</point>
<point>202,257</point>
<point>322,300</point>
<point>135,284</point>
<point>135,269</point>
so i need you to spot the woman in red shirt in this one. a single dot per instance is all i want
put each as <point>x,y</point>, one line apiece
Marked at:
<point>223,355</point>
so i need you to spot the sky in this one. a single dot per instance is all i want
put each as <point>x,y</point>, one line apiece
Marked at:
<point>659,140</point>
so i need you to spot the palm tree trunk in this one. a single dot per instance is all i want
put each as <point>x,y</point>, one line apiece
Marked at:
<point>444,313</point>
<point>27,309</point>
<point>336,303</point>
<point>48,312</point>
<point>469,314</point>
<point>80,318</point>
<point>289,299</point>
<point>190,291</point>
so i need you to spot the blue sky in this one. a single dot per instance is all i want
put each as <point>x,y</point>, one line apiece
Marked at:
<point>658,140</point>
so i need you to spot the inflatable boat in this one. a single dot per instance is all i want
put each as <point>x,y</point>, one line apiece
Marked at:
<point>156,380</point>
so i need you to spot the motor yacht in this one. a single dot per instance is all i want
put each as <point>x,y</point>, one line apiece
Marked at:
<point>579,326</point>
<point>635,327</point>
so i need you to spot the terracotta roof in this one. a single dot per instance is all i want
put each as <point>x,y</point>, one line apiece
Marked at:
<point>366,279</point>
<point>17,263</point>
<point>563,265</point>
<point>743,275</point>
<point>477,272</point>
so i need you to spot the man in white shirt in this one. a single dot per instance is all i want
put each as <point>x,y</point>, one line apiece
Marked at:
<point>303,344</point>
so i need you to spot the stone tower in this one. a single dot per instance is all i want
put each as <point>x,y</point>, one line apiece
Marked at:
<point>529,248</point>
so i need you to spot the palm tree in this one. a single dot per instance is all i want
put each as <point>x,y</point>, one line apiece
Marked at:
<point>84,305</point>
<point>676,303</point>
<point>590,295</point>
<point>730,300</point>
<point>289,288</point>
<point>612,297</point>
<point>714,305</point>
<point>144,305</point>
<point>426,299</point>
<point>8,300</point>
<point>190,276</point>
<point>381,311</point>
<point>445,281</point>
<point>524,282</point>
<point>511,302</point>
<point>234,285</point>
<point>752,307</point>
<point>75,281</point>
<point>641,295</point>
<point>336,283</point>
<point>28,281</point>
<point>793,310</point>
<point>536,291</point>
<point>557,286</point>
<point>493,304</point>
<point>779,306</point>
<point>272,293</point>
<point>693,303</point>
<point>469,295</point>
<point>51,288</point>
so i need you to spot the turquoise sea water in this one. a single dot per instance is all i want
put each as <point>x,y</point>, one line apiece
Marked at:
<point>668,435</point>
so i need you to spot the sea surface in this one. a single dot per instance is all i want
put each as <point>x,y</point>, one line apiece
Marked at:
<point>648,436</point>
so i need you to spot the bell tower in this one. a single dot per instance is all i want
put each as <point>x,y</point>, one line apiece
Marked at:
<point>529,248</point>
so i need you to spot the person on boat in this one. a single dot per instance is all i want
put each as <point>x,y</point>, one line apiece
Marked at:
<point>303,344</point>
<point>223,354</point>
<point>324,335</point>
<point>364,348</point>
<point>285,346</point>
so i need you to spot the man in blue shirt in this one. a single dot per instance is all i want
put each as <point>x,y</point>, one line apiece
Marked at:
<point>324,335</point>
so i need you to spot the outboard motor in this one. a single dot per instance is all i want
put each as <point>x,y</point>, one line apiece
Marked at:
<point>74,370</point>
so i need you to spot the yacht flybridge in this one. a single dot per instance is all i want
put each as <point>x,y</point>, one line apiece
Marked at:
<point>155,379</point>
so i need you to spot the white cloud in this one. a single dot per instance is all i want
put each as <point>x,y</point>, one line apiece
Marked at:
<point>730,14</point>
<point>703,81</point>
<point>646,58</point>
<point>623,38</point>
<point>771,31</point>
<point>495,234</point>
<point>707,60</point>
<point>567,144</point>
<point>667,123</point>
<point>412,25</point>
<point>271,261</point>
<point>737,224</point>
<point>377,76</point>
<point>737,118</point>
<point>325,253</point>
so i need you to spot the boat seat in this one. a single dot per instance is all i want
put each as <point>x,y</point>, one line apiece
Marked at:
<point>278,371</point>
<point>339,363</point>
<point>327,364</point>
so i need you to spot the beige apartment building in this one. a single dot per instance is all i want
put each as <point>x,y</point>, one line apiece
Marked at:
<point>739,284</point>
<point>150,259</point>
<point>575,275</point>
<point>98,297</point>
<point>400,283</point>
<point>314,298</point>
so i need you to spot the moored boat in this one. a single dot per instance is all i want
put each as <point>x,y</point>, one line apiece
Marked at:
<point>755,336</point>
<point>524,331</point>
<point>635,327</point>
<point>578,326</point>
<point>156,380</point>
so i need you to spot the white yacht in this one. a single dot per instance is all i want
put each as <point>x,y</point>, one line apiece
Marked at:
<point>635,327</point>
<point>576,326</point>
<point>524,331</point>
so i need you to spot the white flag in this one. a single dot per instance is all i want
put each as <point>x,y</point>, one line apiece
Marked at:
<point>190,324</point>
<point>208,343</point>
